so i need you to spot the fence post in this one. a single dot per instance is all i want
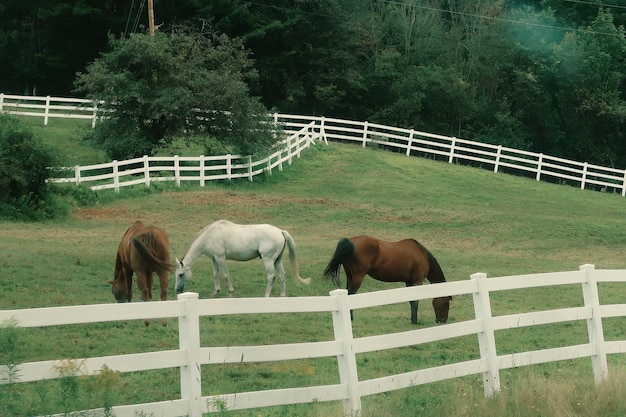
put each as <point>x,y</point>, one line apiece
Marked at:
<point>1,102</point>
<point>177,170</point>
<point>250,167</point>
<point>116,176</point>
<point>348,375</point>
<point>410,144</point>
<point>322,130</point>
<point>202,159</point>
<point>365,134</point>
<point>77,174</point>
<point>624,184</point>
<point>584,177</point>
<point>46,111</point>
<point>229,166</point>
<point>146,170</point>
<point>539,162</point>
<point>452,145</point>
<point>289,156</point>
<point>189,340</point>
<point>486,338</point>
<point>95,114</point>
<point>594,324</point>
<point>297,138</point>
<point>496,165</point>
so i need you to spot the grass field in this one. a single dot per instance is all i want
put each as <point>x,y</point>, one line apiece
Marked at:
<point>471,219</point>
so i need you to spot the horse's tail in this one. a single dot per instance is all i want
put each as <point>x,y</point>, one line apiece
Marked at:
<point>293,260</point>
<point>435,274</point>
<point>345,247</point>
<point>145,244</point>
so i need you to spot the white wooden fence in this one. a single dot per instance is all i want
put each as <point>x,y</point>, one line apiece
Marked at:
<point>191,356</point>
<point>199,169</point>
<point>406,141</point>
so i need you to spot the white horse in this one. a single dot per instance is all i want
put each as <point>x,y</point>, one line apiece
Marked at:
<point>224,240</point>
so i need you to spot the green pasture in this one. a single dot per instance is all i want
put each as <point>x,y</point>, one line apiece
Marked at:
<point>471,219</point>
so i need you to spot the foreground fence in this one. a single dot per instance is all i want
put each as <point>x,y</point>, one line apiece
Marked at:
<point>406,141</point>
<point>191,356</point>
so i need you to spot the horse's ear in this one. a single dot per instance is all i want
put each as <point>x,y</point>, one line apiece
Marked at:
<point>179,262</point>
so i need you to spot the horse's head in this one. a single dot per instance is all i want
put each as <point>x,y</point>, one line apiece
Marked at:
<point>120,291</point>
<point>441,306</point>
<point>183,274</point>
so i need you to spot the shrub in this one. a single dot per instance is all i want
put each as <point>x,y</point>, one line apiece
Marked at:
<point>24,169</point>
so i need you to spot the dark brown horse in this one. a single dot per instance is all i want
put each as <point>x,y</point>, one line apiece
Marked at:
<point>404,261</point>
<point>144,250</point>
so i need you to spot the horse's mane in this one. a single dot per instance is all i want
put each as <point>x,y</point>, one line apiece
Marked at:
<point>435,273</point>
<point>195,238</point>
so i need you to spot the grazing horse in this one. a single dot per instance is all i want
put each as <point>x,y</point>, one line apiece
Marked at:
<point>224,240</point>
<point>143,250</point>
<point>404,261</point>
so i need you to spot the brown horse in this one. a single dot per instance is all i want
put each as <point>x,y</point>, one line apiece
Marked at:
<point>143,250</point>
<point>404,261</point>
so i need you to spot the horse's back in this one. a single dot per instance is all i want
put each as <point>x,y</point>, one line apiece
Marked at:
<point>242,241</point>
<point>405,260</point>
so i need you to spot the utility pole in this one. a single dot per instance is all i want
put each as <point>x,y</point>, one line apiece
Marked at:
<point>151,16</point>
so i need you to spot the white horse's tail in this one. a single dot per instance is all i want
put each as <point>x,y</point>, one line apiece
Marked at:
<point>293,260</point>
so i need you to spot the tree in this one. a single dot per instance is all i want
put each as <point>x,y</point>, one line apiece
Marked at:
<point>40,37</point>
<point>183,83</point>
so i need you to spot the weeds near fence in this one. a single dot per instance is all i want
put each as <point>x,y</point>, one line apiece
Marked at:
<point>10,396</point>
<point>74,384</point>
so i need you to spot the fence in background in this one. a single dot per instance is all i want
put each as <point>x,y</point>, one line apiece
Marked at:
<point>406,141</point>
<point>199,169</point>
<point>191,356</point>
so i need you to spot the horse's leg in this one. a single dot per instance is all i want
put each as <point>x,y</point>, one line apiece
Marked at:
<point>128,277</point>
<point>216,277</point>
<point>353,283</point>
<point>164,280</point>
<point>414,305</point>
<point>271,275</point>
<point>280,270</point>
<point>223,267</point>
<point>144,283</point>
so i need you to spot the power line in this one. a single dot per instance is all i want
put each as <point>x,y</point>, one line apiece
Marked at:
<point>458,13</point>
<point>500,19</point>
<point>614,6</point>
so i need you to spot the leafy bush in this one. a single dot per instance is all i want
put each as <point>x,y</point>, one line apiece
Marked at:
<point>24,168</point>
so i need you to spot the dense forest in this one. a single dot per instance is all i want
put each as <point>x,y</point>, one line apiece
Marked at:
<point>542,75</point>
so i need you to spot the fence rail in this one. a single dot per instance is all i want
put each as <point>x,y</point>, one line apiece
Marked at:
<point>191,356</point>
<point>407,141</point>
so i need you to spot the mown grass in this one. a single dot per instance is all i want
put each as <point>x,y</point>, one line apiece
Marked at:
<point>471,219</point>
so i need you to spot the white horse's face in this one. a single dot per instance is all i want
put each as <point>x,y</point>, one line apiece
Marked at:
<point>183,274</point>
